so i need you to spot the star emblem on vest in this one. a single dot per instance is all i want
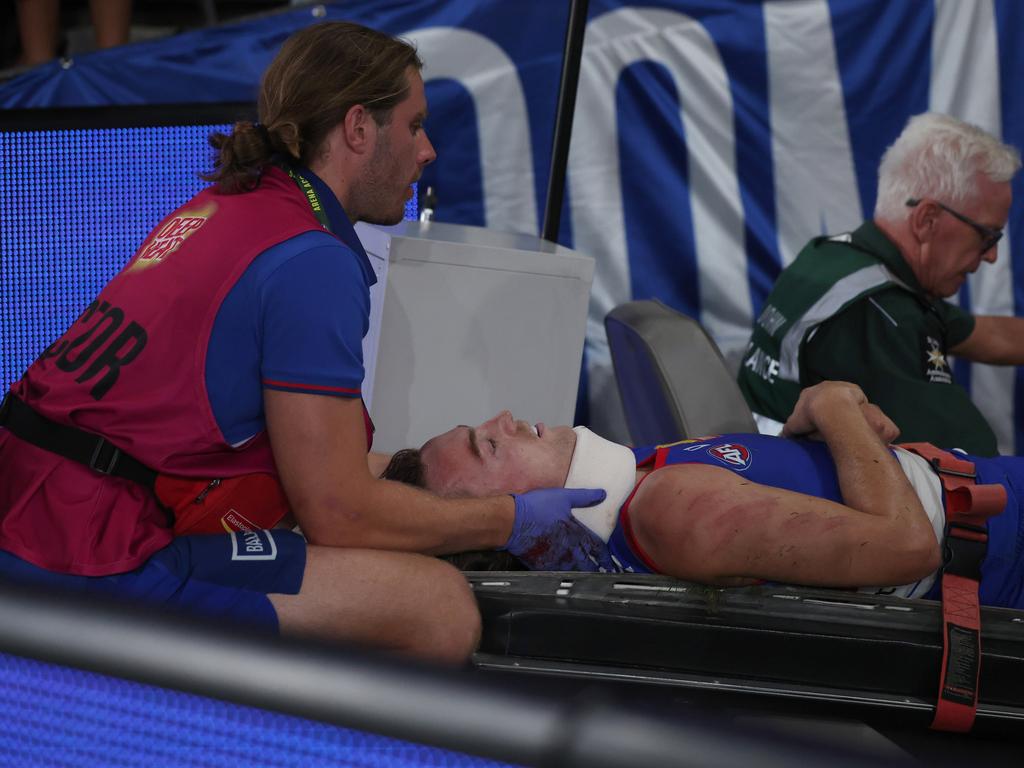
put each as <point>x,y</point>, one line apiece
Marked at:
<point>936,368</point>
<point>731,454</point>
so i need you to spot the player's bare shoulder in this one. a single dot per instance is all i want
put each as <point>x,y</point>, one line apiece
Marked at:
<point>685,487</point>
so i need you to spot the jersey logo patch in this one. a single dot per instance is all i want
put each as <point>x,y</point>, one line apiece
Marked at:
<point>936,368</point>
<point>253,545</point>
<point>732,454</point>
<point>171,235</point>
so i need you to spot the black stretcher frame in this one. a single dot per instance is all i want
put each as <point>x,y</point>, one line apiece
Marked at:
<point>810,651</point>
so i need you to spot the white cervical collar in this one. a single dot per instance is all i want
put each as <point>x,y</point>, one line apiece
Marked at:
<point>600,463</point>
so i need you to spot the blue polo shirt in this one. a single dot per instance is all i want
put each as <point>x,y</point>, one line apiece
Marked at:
<point>294,321</point>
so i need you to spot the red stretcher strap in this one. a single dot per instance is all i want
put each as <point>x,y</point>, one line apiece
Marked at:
<point>968,507</point>
<point>961,655</point>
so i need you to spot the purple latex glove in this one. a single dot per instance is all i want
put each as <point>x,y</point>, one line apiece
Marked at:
<point>546,537</point>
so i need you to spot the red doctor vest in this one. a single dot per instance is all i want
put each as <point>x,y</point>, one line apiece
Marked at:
<point>132,368</point>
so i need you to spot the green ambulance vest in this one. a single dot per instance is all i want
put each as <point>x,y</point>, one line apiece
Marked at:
<point>849,308</point>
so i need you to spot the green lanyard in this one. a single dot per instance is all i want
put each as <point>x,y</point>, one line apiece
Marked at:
<point>311,196</point>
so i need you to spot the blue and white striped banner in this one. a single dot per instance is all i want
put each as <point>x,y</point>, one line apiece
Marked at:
<point>711,140</point>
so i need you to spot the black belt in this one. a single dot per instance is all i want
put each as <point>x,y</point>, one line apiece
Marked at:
<point>94,451</point>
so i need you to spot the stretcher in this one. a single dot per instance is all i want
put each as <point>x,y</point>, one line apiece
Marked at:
<point>878,658</point>
<point>783,648</point>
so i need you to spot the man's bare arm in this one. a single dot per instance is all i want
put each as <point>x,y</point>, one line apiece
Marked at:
<point>320,449</point>
<point>870,478</point>
<point>996,339</point>
<point>708,524</point>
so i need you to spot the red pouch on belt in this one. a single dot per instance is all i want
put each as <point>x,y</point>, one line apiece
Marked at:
<point>245,503</point>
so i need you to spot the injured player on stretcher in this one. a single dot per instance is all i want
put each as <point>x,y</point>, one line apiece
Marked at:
<point>831,503</point>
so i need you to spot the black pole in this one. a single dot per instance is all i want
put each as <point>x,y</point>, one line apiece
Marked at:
<point>563,117</point>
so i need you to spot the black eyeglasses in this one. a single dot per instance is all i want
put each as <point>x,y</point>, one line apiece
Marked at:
<point>989,235</point>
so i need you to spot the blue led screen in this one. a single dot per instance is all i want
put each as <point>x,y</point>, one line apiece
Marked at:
<point>60,716</point>
<point>74,206</point>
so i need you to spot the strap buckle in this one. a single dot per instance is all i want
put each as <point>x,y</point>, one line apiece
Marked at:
<point>104,464</point>
<point>945,469</point>
<point>963,550</point>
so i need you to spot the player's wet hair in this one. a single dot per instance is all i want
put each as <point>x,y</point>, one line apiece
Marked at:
<point>406,466</point>
<point>319,74</point>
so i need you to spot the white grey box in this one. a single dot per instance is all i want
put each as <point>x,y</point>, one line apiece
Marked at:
<point>471,321</point>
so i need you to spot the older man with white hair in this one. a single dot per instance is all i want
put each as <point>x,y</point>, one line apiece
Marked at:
<point>866,306</point>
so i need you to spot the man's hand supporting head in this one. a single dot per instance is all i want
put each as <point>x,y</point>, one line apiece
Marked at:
<point>546,537</point>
